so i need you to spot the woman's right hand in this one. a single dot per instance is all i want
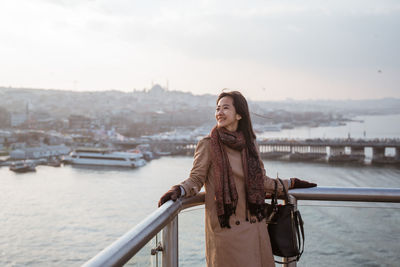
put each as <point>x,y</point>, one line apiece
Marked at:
<point>173,194</point>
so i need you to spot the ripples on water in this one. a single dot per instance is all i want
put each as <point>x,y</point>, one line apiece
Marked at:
<point>64,216</point>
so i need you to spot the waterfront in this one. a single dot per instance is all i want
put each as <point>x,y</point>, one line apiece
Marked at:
<point>64,216</point>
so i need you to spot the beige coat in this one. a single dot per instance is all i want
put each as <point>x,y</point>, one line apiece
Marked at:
<point>246,243</point>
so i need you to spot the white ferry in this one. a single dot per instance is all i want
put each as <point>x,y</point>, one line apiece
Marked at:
<point>105,157</point>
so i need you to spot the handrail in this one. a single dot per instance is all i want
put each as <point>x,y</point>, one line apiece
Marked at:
<point>358,194</point>
<point>124,248</point>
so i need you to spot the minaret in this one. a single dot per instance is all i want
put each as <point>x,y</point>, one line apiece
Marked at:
<point>27,114</point>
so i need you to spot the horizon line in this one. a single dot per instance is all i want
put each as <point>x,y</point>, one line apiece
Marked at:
<point>288,99</point>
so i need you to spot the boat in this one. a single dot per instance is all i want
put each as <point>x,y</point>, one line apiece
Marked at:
<point>53,162</point>
<point>162,153</point>
<point>145,149</point>
<point>22,166</point>
<point>104,157</point>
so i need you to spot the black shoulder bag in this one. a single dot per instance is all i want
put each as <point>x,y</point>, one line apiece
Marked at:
<point>285,228</point>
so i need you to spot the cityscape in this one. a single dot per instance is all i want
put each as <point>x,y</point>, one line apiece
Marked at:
<point>49,124</point>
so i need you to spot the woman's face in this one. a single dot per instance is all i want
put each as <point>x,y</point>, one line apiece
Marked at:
<point>226,115</point>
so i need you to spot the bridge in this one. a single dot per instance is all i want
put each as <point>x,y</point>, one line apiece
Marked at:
<point>332,150</point>
<point>322,150</point>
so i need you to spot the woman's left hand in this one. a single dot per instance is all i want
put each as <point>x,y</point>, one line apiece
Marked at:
<point>297,183</point>
<point>173,194</point>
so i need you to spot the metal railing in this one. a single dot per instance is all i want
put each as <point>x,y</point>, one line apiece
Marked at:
<point>166,218</point>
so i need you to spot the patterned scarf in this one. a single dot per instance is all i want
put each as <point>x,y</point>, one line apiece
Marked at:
<point>226,195</point>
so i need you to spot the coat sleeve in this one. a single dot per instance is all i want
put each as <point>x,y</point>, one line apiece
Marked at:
<point>201,164</point>
<point>269,183</point>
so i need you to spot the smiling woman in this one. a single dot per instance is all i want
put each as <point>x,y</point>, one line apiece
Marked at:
<point>228,165</point>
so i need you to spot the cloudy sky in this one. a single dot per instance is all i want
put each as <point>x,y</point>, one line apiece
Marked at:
<point>270,50</point>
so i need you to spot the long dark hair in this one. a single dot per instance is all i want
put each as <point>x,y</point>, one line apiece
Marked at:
<point>241,107</point>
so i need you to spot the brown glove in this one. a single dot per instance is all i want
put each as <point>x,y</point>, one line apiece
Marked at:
<point>297,183</point>
<point>174,193</point>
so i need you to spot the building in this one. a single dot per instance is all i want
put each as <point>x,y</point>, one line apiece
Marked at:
<point>18,119</point>
<point>79,122</point>
<point>39,152</point>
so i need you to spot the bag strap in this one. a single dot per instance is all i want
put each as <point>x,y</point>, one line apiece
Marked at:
<point>300,225</point>
<point>274,197</point>
<point>284,190</point>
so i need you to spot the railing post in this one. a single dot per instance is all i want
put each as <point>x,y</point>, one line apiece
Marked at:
<point>170,244</point>
<point>293,201</point>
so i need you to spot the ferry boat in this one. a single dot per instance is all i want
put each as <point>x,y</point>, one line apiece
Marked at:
<point>105,157</point>
<point>22,166</point>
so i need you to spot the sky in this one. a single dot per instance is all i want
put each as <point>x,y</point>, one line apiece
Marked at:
<point>269,50</point>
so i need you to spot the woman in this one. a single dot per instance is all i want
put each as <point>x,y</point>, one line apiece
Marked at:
<point>228,164</point>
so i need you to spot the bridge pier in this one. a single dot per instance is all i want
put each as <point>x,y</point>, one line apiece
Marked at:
<point>337,150</point>
<point>357,153</point>
<point>337,154</point>
<point>378,152</point>
<point>378,155</point>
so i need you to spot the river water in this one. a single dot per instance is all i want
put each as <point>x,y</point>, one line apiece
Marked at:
<point>384,126</point>
<point>63,216</point>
